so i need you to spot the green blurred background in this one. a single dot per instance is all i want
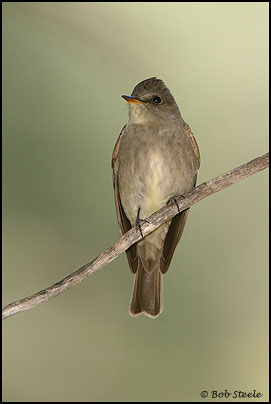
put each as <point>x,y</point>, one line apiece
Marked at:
<point>65,66</point>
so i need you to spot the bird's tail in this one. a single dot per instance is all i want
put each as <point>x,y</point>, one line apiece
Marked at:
<point>147,294</point>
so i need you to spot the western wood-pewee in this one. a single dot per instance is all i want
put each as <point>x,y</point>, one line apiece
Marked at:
<point>155,159</point>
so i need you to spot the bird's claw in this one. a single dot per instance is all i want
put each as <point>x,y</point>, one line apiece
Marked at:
<point>139,221</point>
<point>174,200</point>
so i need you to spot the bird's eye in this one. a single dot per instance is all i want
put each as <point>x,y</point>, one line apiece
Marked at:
<point>157,99</point>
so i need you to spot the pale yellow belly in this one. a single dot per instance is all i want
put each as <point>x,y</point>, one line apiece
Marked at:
<point>155,190</point>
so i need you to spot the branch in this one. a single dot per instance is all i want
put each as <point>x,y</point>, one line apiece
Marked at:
<point>132,236</point>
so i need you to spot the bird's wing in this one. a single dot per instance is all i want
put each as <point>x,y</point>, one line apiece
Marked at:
<point>193,142</point>
<point>173,236</point>
<point>176,227</point>
<point>123,221</point>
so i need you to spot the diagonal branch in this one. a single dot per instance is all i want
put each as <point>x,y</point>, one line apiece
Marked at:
<point>132,236</point>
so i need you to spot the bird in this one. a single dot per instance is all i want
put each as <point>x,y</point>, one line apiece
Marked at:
<point>155,159</point>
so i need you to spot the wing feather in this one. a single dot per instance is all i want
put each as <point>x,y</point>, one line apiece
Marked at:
<point>173,236</point>
<point>123,222</point>
<point>176,227</point>
<point>193,141</point>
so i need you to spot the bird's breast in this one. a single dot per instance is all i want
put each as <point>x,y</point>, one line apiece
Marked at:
<point>155,166</point>
<point>153,185</point>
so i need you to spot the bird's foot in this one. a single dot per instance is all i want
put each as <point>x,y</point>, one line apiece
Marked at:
<point>139,221</point>
<point>174,200</point>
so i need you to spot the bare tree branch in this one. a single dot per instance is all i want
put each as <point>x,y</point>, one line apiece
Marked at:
<point>132,236</point>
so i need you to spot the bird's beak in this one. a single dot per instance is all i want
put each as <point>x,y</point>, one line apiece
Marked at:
<point>131,99</point>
